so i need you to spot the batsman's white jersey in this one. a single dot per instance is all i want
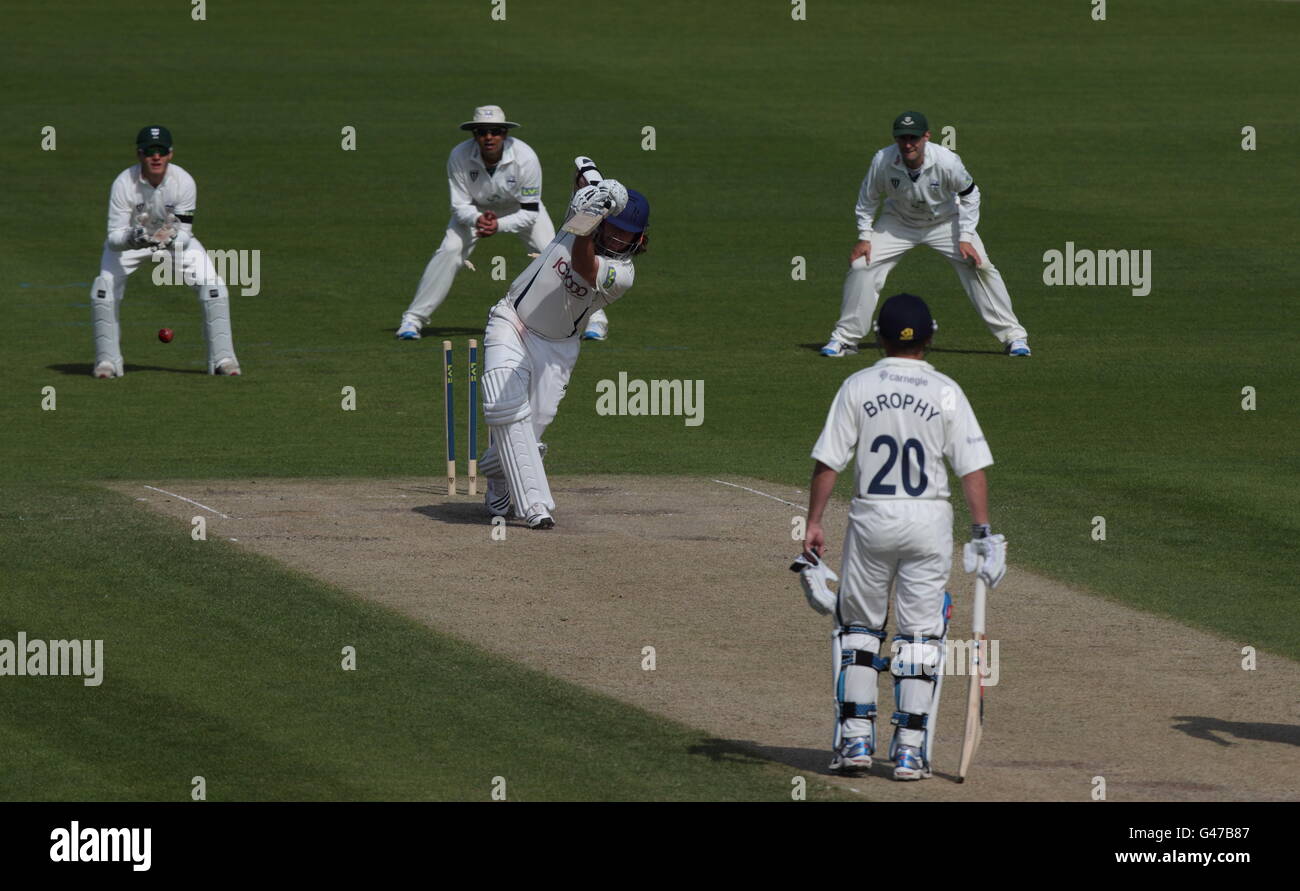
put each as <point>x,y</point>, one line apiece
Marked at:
<point>512,191</point>
<point>902,419</point>
<point>940,208</point>
<point>530,347</point>
<point>134,202</point>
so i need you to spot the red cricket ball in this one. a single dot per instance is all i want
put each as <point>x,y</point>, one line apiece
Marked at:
<point>165,335</point>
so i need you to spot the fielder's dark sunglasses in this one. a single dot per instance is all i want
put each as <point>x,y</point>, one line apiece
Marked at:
<point>154,150</point>
<point>490,131</point>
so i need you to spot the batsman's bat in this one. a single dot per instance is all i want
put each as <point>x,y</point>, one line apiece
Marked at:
<point>975,691</point>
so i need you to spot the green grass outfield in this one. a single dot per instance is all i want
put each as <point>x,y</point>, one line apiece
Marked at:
<point>1123,134</point>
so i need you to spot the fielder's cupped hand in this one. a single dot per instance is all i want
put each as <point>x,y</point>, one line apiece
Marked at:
<point>861,249</point>
<point>486,225</point>
<point>968,253</point>
<point>989,554</point>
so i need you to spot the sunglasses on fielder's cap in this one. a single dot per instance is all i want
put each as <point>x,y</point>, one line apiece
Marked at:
<point>150,150</point>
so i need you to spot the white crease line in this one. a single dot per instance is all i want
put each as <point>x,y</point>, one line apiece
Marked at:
<point>193,502</point>
<point>764,494</point>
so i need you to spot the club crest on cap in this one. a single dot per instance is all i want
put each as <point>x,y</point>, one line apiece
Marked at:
<point>905,334</point>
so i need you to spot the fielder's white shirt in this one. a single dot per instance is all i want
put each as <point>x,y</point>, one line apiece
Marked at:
<point>513,191</point>
<point>553,300</point>
<point>902,419</point>
<point>133,201</point>
<point>936,195</point>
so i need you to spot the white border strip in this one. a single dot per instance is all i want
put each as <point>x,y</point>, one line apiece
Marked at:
<point>764,494</point>
<point>191,501</point>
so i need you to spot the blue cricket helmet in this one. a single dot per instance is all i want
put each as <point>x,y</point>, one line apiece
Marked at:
<point>635,216</point>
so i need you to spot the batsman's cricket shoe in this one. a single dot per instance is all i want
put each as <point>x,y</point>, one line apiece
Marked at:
<point>909,765</point>
<point>854,755</point>
<point>228,367</point>
<point>408,330</point>
<point>540,518</point>
<point>107,370</point>
<point>497,498</point>
<point>838,349</point>
<point>1018,348</point>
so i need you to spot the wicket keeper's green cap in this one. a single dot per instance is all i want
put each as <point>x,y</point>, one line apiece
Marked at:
<point>911,123</point>
<point>151,136</point>
<point>905,318</point>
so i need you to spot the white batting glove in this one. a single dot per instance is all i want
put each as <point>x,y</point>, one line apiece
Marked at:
<point>815,576</point>
<point>992,549</point>
<point>587,170</point>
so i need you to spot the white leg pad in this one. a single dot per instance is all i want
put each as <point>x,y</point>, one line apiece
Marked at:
<point>517,448</point>
<point>105,298</point>
<point>215,301</point>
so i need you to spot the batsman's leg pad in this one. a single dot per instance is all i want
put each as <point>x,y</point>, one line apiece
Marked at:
<point>214,299</point>
<point>915,665</point>
<point>516,445</point>
<point>105,298</point>
<point>505,396</point>
<point>490,464</point>
<point>858,664</point>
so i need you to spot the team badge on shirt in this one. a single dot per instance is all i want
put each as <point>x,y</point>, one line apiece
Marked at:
<point>473,175</point>
<point>609,278</point>
<point>893,181</point>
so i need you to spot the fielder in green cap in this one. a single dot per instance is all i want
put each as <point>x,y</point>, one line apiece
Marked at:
<point>929,198</point>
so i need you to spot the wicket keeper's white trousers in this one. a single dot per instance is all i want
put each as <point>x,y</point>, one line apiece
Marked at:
<point>908,541</point>
<point>457,244</point>
<point>196,271</point>
<point>891,239</point>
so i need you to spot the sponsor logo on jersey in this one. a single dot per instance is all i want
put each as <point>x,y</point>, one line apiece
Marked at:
<point>511,181</point>
<point>530,192</point>
<point>565,272</point>
<point>934,185</point>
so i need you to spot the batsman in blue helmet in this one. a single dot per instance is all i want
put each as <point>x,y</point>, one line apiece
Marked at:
<point>534,334</point>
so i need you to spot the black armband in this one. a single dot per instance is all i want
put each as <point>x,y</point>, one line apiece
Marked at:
<point>185,218</point>
<point>532,205</point>
<point>968,191</point>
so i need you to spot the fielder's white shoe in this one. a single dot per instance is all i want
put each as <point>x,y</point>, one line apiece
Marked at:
<point>838,349</point>
<point>106,370</point>
<point>908,764</point>
<point>596,330</point>
<point>497,498</point>
<point>408,330</point>
<point>540,518</point>
<point>1018,348</point>
<point>228,367</point>
<point>854,755</point>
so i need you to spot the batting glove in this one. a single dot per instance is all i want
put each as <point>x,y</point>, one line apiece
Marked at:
<point>815,576</point>
<point>988,553</point>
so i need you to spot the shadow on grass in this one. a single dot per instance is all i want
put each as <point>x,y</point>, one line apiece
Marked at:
<point>1207,728</point>
<point>441,332</point>
<point>85,368</point>
<point>872,351</point>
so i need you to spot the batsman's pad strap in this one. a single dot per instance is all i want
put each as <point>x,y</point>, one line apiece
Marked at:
<point>862,629</point>
<point>531,205</point>
<point>909,721</point>
<point>864,658</point>
<point>857,710</point>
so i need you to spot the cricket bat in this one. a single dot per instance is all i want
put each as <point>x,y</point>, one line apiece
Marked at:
<point>975,691</point>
